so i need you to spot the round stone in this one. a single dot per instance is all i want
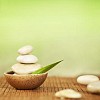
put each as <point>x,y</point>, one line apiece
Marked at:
<point>68,93</point>
<point>94,87</point>
<point>86,79</point>
<point>25,50</point>
<point>27,59</point>
<point>15,74</point>
<point>25,68</point>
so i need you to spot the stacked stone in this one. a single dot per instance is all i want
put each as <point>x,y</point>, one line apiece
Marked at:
<point>27,63</point>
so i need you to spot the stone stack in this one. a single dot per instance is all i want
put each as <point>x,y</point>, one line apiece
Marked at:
<point>27,63</point>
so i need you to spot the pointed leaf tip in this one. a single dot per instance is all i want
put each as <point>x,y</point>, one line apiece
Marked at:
<point>46,68</point>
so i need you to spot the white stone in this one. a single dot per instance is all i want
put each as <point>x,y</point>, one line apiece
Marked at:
<point>27,59</point>
<point>94,87</point>
<point>25,68</point>
<point>86,79</point>
<point>15,74</point>
<point>68,93</point>
<point>25,50</point>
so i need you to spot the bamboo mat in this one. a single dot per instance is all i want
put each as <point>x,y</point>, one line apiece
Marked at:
<point>46,91</point>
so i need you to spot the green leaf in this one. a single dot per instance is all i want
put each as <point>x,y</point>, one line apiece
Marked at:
<point>46,68</point>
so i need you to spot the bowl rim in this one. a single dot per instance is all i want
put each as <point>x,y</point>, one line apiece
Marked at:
<point>10,73</point>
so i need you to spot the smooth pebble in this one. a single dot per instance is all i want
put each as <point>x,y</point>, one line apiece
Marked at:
<point>86,79</point>
<point>15,74</point>
<point>27,59</point>
<point>68,93</point>
<point>25,50</point>
<point>25,68</point>
<point>94,87</point>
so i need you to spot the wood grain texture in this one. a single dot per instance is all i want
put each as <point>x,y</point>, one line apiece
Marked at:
<point>46,91</point>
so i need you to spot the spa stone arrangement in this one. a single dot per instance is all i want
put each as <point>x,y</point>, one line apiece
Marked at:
<point>29,74</point>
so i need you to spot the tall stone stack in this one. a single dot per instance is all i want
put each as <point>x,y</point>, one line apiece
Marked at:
<point>27,63</point>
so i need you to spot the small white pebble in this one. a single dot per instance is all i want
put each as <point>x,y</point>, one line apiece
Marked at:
<point>25,50</point>
<point>25,68</point>
<point>86,79</point>
<point>68,93</point>
<point>15,74</point>
<point>94,87</point>
<point>27,59</point>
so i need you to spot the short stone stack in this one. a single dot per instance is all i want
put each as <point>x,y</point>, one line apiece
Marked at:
<point>27,63</point>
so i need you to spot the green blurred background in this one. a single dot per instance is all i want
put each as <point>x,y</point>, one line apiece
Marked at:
<point>57,29</point>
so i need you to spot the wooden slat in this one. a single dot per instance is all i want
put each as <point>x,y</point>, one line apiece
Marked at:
<point>46,91</point>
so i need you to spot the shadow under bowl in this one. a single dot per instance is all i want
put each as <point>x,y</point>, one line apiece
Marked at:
<point>24,82</point>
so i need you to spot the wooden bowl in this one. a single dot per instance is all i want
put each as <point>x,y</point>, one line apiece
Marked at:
<point>29,81</point>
